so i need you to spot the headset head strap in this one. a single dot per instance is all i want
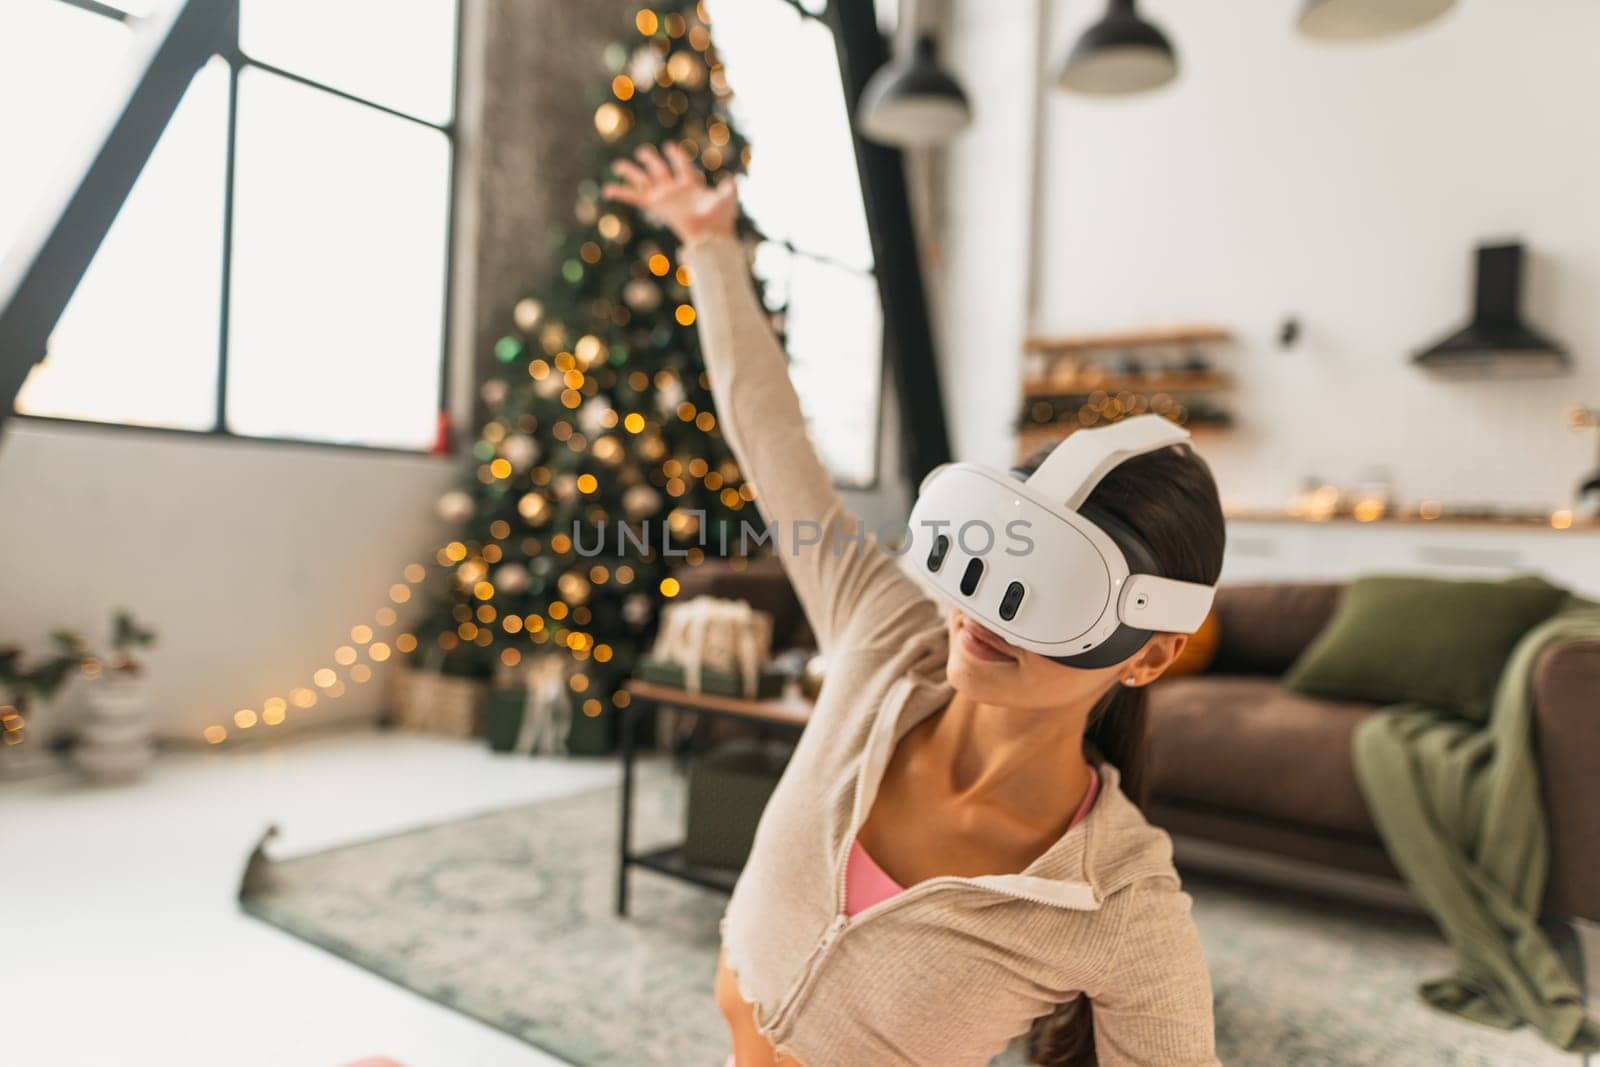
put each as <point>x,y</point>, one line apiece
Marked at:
<point>1076,465</point>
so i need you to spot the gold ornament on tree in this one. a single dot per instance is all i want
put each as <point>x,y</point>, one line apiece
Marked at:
<point>574,588</point>
<point>683,522</point>
<point>527,314</point>
<point>520,450</point>
<point>669,392</point>
<point>641,502</point>
<point>533,507</point>
<point>593,417</point>
<point>511,578</point>
<point>644,66</point>
<point>612,228</point>
<point>611,121</point>
<point>636,609</point>
<point>651,446</point>
<point>685,69</point>
<point>455,506</point>
<point>553,338</point>
<point>550,386</point>
<point>642,295</point>
<point>589,347</point>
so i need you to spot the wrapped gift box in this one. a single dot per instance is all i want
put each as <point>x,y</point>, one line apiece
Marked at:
<point>530,710</point>
<point>769,679</point>
<point>715,638</point>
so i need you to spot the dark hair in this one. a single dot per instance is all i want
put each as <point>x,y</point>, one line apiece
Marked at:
<point>1170,500</point>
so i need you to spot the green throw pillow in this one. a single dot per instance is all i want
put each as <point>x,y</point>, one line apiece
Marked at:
<point>1428,641</point>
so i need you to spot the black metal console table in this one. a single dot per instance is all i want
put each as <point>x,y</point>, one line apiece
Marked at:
<point>788,712</point>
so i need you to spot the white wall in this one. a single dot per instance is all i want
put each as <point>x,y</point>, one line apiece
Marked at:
<point>252,560</point>
<point>1344,185</point>
<point>982,291</point>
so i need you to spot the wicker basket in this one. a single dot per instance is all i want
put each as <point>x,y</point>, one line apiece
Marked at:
<point>429,701</point>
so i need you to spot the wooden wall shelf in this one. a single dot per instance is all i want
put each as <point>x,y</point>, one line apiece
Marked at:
<point>1062,344</point>
<point>1125,383</point>
<point>1476,522</point>
<point>1032,437</point>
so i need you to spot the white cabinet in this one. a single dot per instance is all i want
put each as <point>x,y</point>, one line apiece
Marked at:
<point>1272,550</point>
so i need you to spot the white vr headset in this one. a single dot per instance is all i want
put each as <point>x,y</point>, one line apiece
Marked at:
<point>1031,563</point>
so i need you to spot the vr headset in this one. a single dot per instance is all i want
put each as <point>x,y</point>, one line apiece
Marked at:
<point>1035,565</point>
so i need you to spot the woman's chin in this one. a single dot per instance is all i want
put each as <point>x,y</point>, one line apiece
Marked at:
<point>973,676</point>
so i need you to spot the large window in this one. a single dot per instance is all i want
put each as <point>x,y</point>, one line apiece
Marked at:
<point>804,194</point>
<point>280,269</point>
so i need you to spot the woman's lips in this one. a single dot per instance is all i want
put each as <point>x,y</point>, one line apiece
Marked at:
<point>981,644</point>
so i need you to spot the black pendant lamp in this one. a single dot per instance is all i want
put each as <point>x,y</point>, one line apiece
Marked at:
<point>911,100</point>
<point>1120,55</point>
<point>1365,20</point>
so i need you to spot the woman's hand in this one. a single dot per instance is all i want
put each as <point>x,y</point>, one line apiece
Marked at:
<point>674,192</point>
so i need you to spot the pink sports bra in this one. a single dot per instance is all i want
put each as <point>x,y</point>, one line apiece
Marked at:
<point>866,884</point>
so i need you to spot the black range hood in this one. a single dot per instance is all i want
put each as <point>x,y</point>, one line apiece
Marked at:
<point>1496,343</point>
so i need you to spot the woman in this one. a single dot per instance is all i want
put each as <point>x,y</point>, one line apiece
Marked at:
<point>954,856</point>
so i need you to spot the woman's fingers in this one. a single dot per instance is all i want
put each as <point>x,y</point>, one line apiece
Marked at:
<point>682,168</point>
<point>653,166</point>
<point>622,194</point>
<point>631,174</point>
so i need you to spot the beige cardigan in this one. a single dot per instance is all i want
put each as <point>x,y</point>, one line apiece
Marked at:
<point>947,972</point>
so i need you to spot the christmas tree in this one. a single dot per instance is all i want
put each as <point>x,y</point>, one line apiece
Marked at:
<point>601,415</point>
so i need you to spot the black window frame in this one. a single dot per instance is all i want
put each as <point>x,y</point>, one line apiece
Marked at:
<point>238,61</point>
<point>910,362</point>
<point>824,18</point>
<point>57,263</point>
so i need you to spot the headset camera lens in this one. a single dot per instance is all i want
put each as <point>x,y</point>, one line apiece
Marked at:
<point>1011,601</point>
<point>969,579</point>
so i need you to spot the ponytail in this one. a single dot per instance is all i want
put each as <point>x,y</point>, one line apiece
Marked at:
<point>1170,499</point>
<point>1116,731</point>
<point>1116,734</point>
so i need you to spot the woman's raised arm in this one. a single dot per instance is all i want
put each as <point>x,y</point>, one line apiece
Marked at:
<point>844,580</point>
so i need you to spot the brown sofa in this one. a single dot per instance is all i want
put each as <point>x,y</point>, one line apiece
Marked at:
<point>1240,762</point>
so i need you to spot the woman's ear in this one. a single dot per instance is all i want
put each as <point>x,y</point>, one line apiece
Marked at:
<point>1158,653</point>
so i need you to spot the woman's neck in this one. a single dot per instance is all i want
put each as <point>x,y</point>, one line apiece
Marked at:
<point>1028,763</point>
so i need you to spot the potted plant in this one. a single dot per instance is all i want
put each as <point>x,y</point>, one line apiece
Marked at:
<point>114,741</point>
<point>27,727</point>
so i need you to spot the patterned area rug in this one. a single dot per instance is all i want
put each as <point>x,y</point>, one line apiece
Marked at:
<point>508,917</point>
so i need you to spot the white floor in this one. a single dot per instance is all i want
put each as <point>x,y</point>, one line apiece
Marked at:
<point>120,941</point>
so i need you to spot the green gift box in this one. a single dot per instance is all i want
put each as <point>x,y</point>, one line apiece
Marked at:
<point>503,716</point>
<point>587,735</point>
<point>728,788</point>
<point>591,735</point>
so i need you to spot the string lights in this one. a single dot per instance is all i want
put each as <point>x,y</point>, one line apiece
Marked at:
<point>603,413</point>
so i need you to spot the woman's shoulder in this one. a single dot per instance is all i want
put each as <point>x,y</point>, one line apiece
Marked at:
<point>1124,849</point>
<point>861,685</point>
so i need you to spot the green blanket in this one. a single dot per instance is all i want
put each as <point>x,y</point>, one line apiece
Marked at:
<point>1457,804</point>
